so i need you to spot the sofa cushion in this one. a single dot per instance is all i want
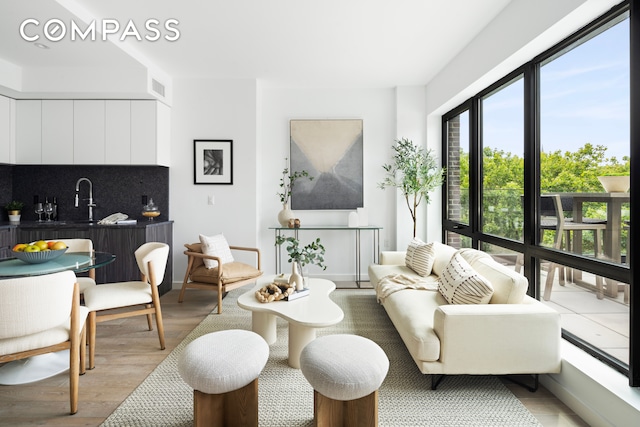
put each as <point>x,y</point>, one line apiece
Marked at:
<point>461,284</point>
<point>411,312</point>
<point>231,272</point>
<point>443,256</point>
<point>509,287</point>
<point>216,246</point>
<point>420,257</point>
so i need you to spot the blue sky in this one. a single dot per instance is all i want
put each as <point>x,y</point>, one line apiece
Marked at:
<point>585,99</point>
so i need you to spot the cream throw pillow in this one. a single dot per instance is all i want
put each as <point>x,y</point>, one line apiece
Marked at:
<point>420,257</point>
<point>461,284</point>
<point>216,246</point>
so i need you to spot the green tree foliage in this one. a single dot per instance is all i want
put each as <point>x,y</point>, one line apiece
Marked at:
<point>503,183</point>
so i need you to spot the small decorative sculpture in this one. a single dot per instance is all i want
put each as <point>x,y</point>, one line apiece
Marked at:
<point>291,222</point>
<point>296,223</point>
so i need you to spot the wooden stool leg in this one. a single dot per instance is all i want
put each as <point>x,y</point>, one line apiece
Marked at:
<point>238,408</point>
<point>361,412</point>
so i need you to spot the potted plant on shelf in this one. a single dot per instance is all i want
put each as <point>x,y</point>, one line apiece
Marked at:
<point>287,182</point>
<point>312,253</point>
<point>14,209</point>
<point>415,172</point>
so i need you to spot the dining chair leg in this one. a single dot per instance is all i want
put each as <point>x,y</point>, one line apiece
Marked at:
<point>91,322</point>
<point>149,317</point>
<point>74,372</point>
<point>159,322</point>
<point>83,350</point>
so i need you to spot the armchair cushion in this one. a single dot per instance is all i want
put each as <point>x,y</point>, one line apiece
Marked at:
<point>231,272</point>
<point>216,246</point>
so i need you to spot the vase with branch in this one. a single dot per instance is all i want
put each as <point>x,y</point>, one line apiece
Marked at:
<point>287,182</point>
<point>312,253</point>
<point>415,172</point>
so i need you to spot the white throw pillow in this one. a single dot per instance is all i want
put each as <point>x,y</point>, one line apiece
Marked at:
<point>215,246</point>
<point>420,257</point>
<point>461,284</point>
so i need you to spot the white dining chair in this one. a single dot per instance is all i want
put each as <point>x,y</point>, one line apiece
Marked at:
<point>133,298</point>
<point>82,245</point>
<point>40,315</point>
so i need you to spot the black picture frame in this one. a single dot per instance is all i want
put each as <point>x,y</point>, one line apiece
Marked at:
<point>213,161</point>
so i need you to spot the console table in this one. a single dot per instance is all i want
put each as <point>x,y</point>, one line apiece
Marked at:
<point>341,228</point>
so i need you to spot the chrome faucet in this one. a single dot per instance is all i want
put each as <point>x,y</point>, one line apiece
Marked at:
<point>90,203</point>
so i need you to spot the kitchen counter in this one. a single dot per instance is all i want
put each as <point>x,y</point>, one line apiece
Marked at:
<point>122,240</point>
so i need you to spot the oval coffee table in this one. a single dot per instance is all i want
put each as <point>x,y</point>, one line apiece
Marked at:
<point>304,315</point>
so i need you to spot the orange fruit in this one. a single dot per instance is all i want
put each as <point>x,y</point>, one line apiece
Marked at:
<point>58,245</point>
<point>19,247</point>
<point>51,243</point>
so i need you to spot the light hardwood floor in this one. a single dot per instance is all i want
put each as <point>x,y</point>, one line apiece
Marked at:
<point>127,353</point>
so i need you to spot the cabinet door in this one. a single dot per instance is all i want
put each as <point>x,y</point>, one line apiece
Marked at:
<point>7,241</point>
<point>29,132</point>
<point>118,132</point>
<point>143,132</point>
<point>89,132</point>
<point>7,150</point>
<point>57,132</point>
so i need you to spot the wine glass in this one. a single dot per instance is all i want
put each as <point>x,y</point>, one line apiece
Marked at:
<point>39,211</point>
<point>48,210</point>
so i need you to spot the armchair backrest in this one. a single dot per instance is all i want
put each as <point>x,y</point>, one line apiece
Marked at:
<point>29,305</point>
<point>158,254</point>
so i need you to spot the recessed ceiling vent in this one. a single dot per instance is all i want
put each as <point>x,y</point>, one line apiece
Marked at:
<point>157,87</point>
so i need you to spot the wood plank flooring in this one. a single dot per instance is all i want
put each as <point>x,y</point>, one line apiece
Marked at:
<point>126,353</point>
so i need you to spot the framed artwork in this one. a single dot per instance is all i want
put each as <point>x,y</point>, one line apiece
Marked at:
<point>212,161</point>
<point>332,152</point>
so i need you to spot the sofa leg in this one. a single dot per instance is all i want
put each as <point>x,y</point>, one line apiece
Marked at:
<point>436,380</point>
<point>532,388</point>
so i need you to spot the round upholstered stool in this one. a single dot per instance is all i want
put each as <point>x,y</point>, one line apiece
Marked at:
<point>223,369</point>
<point>345,372</point>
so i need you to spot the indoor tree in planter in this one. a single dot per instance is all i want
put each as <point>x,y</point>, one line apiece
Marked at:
<point>312,253</point>
<point>287,182</point>
<point>415,172</point>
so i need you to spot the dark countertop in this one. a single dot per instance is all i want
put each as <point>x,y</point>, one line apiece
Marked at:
<point>32,225</point>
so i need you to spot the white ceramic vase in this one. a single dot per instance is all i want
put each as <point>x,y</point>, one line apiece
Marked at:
<point>284,215</point>
<point>14,218</point>
<point>296,278</point>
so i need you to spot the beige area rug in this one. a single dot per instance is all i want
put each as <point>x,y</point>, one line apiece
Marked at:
<point>286,399</point>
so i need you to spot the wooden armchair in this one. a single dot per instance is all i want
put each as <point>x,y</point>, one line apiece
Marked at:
<point>232,275</point>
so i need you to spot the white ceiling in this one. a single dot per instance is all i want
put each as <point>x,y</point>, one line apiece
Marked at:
<point>338,43</point>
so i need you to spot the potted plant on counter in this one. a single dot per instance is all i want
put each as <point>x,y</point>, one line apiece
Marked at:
<point>14,210</point>
<point>313,253</point>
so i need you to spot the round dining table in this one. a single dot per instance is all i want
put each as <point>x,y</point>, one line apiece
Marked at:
<point>36,368</point>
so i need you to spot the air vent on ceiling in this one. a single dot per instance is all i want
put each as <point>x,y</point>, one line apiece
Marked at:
<point>157,87</point>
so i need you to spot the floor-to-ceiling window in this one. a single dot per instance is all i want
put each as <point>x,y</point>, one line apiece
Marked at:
<point>523,161</point>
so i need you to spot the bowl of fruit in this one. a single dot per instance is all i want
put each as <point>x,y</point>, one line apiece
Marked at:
<point>39,252</point>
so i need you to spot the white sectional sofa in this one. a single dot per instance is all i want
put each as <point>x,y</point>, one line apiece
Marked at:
<point>511,334</point>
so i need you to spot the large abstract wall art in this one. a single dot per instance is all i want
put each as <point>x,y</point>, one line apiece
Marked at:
<point>332,152</point>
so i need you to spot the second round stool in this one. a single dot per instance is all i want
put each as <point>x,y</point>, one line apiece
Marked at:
<point>345,372</point>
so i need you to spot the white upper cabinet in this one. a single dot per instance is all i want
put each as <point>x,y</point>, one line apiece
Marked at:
<point>118,132</point>
<point>7,130</point>
<point>57,132</point>
<point>89,132</point>
<point>29,132</point>
<point>92,132</point>
<point>150,133</point>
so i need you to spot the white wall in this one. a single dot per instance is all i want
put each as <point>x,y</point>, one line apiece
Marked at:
<point>376,107</point>
<point>213,109</point>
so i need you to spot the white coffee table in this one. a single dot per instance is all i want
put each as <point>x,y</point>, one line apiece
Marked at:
<point>304,315</point>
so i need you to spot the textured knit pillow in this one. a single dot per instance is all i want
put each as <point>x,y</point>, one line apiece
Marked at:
<point>461,284</point>
<point>420,257</point>
<point>215,246</point>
